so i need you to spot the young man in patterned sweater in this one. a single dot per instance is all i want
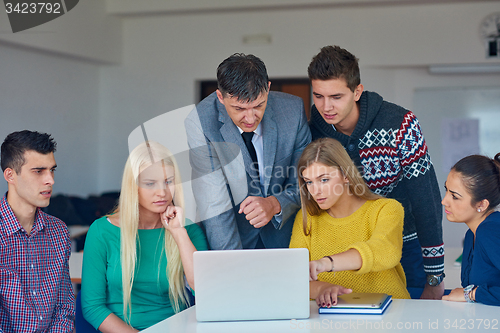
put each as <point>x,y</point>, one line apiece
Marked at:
<point>385,141</point>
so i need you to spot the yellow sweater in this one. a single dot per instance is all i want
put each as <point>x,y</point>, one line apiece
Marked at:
<point>375,230</point>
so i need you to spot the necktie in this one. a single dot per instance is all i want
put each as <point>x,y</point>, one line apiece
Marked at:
<point>247,137</point>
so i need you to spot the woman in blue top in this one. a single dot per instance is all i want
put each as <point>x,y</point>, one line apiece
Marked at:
<point>472,195</point>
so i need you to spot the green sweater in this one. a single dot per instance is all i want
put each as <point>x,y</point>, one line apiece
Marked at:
<point>102,277</point>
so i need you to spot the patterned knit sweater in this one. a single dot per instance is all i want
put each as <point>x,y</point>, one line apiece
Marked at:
<point>375,231</point>
<point>388,147</point>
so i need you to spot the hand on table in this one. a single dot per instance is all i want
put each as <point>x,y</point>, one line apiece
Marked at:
<point>456,295</point>
<point>328,295</point>
<point>433,292</point>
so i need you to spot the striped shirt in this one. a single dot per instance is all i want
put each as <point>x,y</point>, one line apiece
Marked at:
<point>35,287</point>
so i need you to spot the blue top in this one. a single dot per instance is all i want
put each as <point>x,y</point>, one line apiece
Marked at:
<point>481,260</point>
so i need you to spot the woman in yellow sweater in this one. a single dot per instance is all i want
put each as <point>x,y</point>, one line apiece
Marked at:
<point>354,236</point>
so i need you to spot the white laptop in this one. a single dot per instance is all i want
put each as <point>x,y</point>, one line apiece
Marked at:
<point>262,284</point>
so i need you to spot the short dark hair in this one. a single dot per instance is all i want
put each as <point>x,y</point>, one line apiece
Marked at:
<point>242,76</point>
<point>17,143</point>
<point>481,177</point>
<point>334,62</point>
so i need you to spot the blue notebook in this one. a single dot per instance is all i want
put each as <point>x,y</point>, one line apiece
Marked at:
<point>359,303</point>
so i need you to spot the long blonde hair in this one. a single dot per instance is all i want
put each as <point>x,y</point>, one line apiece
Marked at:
<point>329,152</point>
<point>144,155</point>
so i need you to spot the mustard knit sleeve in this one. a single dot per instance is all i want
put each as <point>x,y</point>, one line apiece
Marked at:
<point>298,239</point>
<point>384,247</point>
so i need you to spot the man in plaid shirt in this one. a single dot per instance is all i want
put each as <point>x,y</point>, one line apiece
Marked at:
<point>35,287</point>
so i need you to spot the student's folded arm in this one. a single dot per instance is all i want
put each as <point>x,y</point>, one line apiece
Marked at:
<point>195,241</point>
<point>384,248</point>
<point>189,240</point>
<point>113,324</point>
<point>489,295</point>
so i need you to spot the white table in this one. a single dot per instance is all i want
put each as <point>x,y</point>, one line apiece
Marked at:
<point>401,316</point>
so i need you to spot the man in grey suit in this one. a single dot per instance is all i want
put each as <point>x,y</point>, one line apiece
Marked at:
<point>245,142</point>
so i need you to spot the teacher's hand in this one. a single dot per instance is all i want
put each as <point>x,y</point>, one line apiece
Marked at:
<point>259,211</point>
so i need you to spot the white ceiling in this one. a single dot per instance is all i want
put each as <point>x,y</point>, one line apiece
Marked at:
<point>165,7</point>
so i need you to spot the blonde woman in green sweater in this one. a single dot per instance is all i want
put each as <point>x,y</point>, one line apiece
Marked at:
<point>354,236</point>
<point>136,259</point>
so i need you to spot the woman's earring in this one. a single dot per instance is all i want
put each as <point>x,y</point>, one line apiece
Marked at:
<point>479,210</point>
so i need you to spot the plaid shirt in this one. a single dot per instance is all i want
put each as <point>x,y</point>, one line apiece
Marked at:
<point>35,287</point>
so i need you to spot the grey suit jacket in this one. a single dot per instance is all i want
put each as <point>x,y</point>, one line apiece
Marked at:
<point>223,177</point>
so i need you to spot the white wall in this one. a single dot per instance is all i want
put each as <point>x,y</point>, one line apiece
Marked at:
<point>85,32</point>
<point>49,82</point>
<point>439,106</point>
<point>59,96</point>
<point>92,108</point>
<point>164,56</point>
<point>133,7</point>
